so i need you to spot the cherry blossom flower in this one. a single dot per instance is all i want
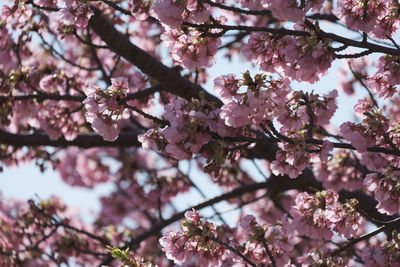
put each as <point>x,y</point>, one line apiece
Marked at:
<point>76,13</point>
<point>104,111</point>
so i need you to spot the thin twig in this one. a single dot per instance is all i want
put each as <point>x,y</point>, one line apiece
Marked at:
<point>83,41</point>
<point>237,252</point>
<point>163,123</point>
<point>356,55</point>
<point>106,77</point>
<point>259,169</point>
<point>360,80</point>
<point>50,47</point>
<point>389,225</point>
<point>311,119</point>
<point>271,257</point>
<point>393,42</point>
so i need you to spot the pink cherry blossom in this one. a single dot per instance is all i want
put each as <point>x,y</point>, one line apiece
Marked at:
<point>76,13</point>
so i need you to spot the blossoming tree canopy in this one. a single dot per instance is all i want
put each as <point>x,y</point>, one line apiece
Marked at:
<point>122,92</point>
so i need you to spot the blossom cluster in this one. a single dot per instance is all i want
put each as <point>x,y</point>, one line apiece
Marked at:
<point>292,10</point>
<point>320,214</point>
<point>172,13</point>
<point>386,189</point>
<point>206,244</point>
<point>31,232</point>
<point>76,13</point>
<point>192,49</point>
<point>339,172</point>
<point>84,169</point>
<point>7,57</point>
<point>261,102</point>
<point>104,110</point>
<point>388,252</point>
<point>55,117</point>
<point>187,130</point>
<point>374,128</point>
<point>317,216</point>
<point>386,79</point>
<point>380,18</point>
<point>297,58</point>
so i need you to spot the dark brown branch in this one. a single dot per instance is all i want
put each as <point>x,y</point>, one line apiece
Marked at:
<point>106,77</point>
<point>277,134</point>
<point>76,98</point>
<point>43,96</point>
<point>356,55</point>
<point>277,31</point>
<point>91,140</point>
<point>161,122</point>
<point>145,92</point>
<point>393,42</point>
<point>328,17</point>
<point>43,239</point>
<point>114,68</point>
<point>379,149</point>
<point>217,213</point>
<point>125,139</point>
<point>311,118</point>
<point>170,78</point>
<point>371,47</point>
<point>91,235</point>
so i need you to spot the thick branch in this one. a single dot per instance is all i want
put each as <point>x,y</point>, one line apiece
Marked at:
<point>276,184</point>
<point>170,78</point>
<point>125,139</point>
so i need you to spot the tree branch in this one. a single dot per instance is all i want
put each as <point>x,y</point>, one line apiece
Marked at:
<point>125,139</point>
<point>41,96</point>
<point>170,78</point>
<point>371,47</point>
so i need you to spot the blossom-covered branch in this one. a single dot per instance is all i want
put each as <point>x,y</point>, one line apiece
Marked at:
<point>124,93</point>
